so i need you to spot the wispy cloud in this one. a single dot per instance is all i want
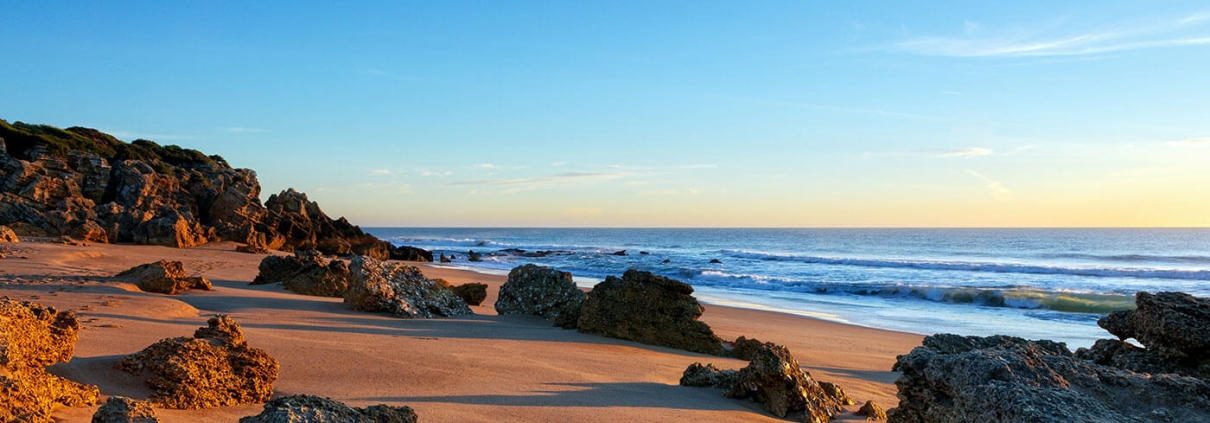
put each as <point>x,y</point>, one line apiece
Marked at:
<point>966,152</point>
<point>433,173</point>
<point>1192,142</point>
<point>488,166</point>
<point>998,190</point>
<point>1186,31</point>
<point>379,172</point>
<point>556,179</point>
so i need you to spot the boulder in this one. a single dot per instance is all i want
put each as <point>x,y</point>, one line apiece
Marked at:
<point>871,411</point>
<point>163,277</point>
<point>307,273</point>
<point>773,379</point>
<point>33,337</point>
<point>994,379</point>
<point>544,292</point>
<point>407,253</point>
<point>124,410</point>
<point>743,348</point>
<point>1174,326</point>
<point>471,255</point>
<point>650,309</point>
<point>214,368</point>
<point>401,290</point>
<point>445,259</point>
<point>314,409</point>
<point>473,293</point>
<point>7,235</point>
<point>708,375</point>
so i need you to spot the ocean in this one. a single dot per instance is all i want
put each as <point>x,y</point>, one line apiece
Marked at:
<point>1033,283</point>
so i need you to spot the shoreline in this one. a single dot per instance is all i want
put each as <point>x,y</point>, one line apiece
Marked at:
<point>483,367</point>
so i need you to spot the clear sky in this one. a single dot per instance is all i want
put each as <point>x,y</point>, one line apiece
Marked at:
<point>652,113</point>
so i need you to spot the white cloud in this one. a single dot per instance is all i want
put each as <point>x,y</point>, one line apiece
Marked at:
<point>1192,142</point>
<point>967,152</point>
<point>379,172</point>
<point>485,166</point>
<point>998,190</point>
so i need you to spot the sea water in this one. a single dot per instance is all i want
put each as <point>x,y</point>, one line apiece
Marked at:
<point>1033,283</point>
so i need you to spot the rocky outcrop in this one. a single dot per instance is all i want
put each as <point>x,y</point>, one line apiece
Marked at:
<point>473,293</point>
<point>541,291</point>
<point>163,277</point>
<point>951,378</point>
<point>643,307</point>
<point>1173,326</point>
<point>871,411</point>
<point>124,410</point>
<point>743,348</point>
<point>33,337</point>
<point>774,379</point>
<point>7,235</point>
<point>307,273</point>
<point>407,253</point>
<point>400,290</point>
<point>314,409</point>
<point>214,368</point>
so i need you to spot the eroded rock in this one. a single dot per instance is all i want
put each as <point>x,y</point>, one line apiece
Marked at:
<point>1173,326</point>
<point>124,410</point>
<point>214,368</point>
<point>33,337</point>
<point>541,291</point>
<point>871,411</point>
<point>315,409</point>
<point>401,290</point>
<point>774,379</point>
<point>7,235</point>
<point>650,309</point>
<point>164,277</point>
<point>307,273</point>
<point>473,293</point>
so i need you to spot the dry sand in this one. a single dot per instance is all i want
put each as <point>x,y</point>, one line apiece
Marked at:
<point>482,368</point>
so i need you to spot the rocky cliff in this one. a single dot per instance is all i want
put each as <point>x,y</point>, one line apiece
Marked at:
<point>86,184</point>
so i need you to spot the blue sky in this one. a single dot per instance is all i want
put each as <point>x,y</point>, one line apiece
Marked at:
<point>653,113</point>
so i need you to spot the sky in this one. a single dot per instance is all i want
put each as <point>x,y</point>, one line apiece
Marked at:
<point>653,113</point>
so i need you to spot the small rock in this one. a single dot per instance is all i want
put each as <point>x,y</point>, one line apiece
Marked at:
<point>164,277</point>
<point>620,253</point>
<point>716,261</point>
<point>7,235</point>
<point>871,411</point>
<point>401,290</point>
<point>471,255</point>
<point>314,409</point>
<point>473,293</point>
<point>445,259</point>
<point>307,273</point>
<point>124,410</point>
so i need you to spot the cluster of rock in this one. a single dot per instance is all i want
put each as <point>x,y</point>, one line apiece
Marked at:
<point>214,368</point>
<point>543,292</point>
<point>86,184</point>
<point>951,378</point>
<point>651,309</point>
<point>163,277</point>
<point>774,379</point>
<point>401,290</point>
<point>314,409</point>
<point>306,272</point>
<point>33,337</point>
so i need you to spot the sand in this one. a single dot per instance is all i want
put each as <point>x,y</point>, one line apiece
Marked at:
<point>482,368</point>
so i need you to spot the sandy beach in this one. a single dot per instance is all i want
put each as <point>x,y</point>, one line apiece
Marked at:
<point>478,368</point>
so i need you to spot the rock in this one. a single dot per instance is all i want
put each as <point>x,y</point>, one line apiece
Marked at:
<point>743,347</point>
<point>871,411</point>
<point>541,291</point>
<point>254,248</point>
<point>716,261</point>
<point>445,259</point>
<point>33,337</point>
<point>163,277</point>
<point>314,409</point>
<point>214,368</point>
<point>400,290</point>
<point>307,273</point>
<point>7,235</point>
<point>951,378</point>
<point>834,391</point>
<point>774,379</point>
<point>406,253</point>
<point>1173,325</point>
<point>643,253</point>
<point>620,253</point>
<point>707,375</point>
<point>124,410</point>
<point>473,293</point>
<point>650,309</point>
<point>666,261</point>
<point>471,255</point>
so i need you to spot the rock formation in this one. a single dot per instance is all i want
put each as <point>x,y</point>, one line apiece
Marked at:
<point>124,410</point>
<point>307,273</point>
<point>214,368</point>
<point>33,337</point>
<point>163,277</point>
<point>643,307</point>
<point>541,291</point>
<point>473,293</point>
<point>1174,327</point>
<point>871,411</point>
<point>314,409</point>
<point>7,235</point>
<point>400,290</point>
<point>951,378</point>
<point>773,379</point>
<point>86,184</point>
<point>743,348</point>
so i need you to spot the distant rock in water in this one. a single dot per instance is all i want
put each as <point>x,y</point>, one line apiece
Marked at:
<point>471,255</point>
<point>118,409</point>
<point>33,337</point>
<point>401,290</point>
<point>445,259</point>
<point>541,291</point>
<point>314,409</point>
<point>164,277</point>
<point>774,379</point>
<point>716,261</point>
<point>620,253</point>
<point>650,309</point>
<point>307,273</point>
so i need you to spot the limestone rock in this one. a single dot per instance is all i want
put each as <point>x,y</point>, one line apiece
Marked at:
<point>774,379</point>
<point>650,309</point>
<point>164,277</point>
<point>951,378</point>
<point>214,368</point>
<point>7,235</point>
<point>33,337</point>
<point>314,409</point>
<point>541,291</point>
<point>708,375</point>
<point>124,410</point>
<point>1173,325</point>
<point>871,411</point>
<point>406,253</point>
<point>473,293</point>
<point>743,348</point>
<point>307,273</point>
<point>400,290</point>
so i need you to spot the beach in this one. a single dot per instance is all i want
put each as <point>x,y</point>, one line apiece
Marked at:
<point>483,367</point>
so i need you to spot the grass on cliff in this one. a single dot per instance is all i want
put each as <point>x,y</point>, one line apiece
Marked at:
<point>20,137</point>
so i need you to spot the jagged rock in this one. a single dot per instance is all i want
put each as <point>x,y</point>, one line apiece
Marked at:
<point>33,337</point>
<point>445,259</point>
<point>124,410</point>
<point>7,235</point>
<point>471,255</point>
<point>620,253</point>
<point>1173,325</point>
<point>871,411</point>
<point>743,347</point>
<point>541,291</point>
<point>650,309</point>
<point>400,290</point>
<point>314,409</point>
<point>214,368</point>
<point>774,379</point>
<point>164,277</point>
<point>951,378</point>
<point>834,391</point>
<point>307,273</point>
<point>707,375</point>
<point>406,253</point>
<point>473,293</point>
